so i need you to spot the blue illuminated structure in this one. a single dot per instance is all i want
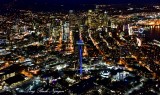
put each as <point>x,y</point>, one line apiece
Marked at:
<point>80,44</point>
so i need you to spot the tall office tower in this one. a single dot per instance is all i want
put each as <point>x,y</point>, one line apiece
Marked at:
<point>105,23</point>
<point>125,28</point>
<point>65,31</point>
<point>72,18</point>
<point>67,35</point>
<point>97,9</point>
<point>101,20</point>
<point>105,19</point>
<point>130,31</point>
<point>75,39</point>
<point>72,27</point>
<point>89,21</point>
<point>109,25</point>
<point>82,19</point>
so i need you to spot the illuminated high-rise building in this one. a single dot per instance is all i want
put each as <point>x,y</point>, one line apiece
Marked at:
<point>72,19</point>
<point>75,39</point>
<point>97,9</point>
<point>65,31</point>
<point>89,21</point>
<point>105,19</point>
<point>109,25</point>
<point>130,31</point>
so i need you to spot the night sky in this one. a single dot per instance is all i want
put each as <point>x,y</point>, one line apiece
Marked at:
<point>81,1</point>
<point>51,4</point>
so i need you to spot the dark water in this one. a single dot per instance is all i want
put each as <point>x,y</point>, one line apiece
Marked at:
<point>155,33</point>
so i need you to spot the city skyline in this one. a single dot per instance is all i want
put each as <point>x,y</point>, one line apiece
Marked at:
<point>87,47</point>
